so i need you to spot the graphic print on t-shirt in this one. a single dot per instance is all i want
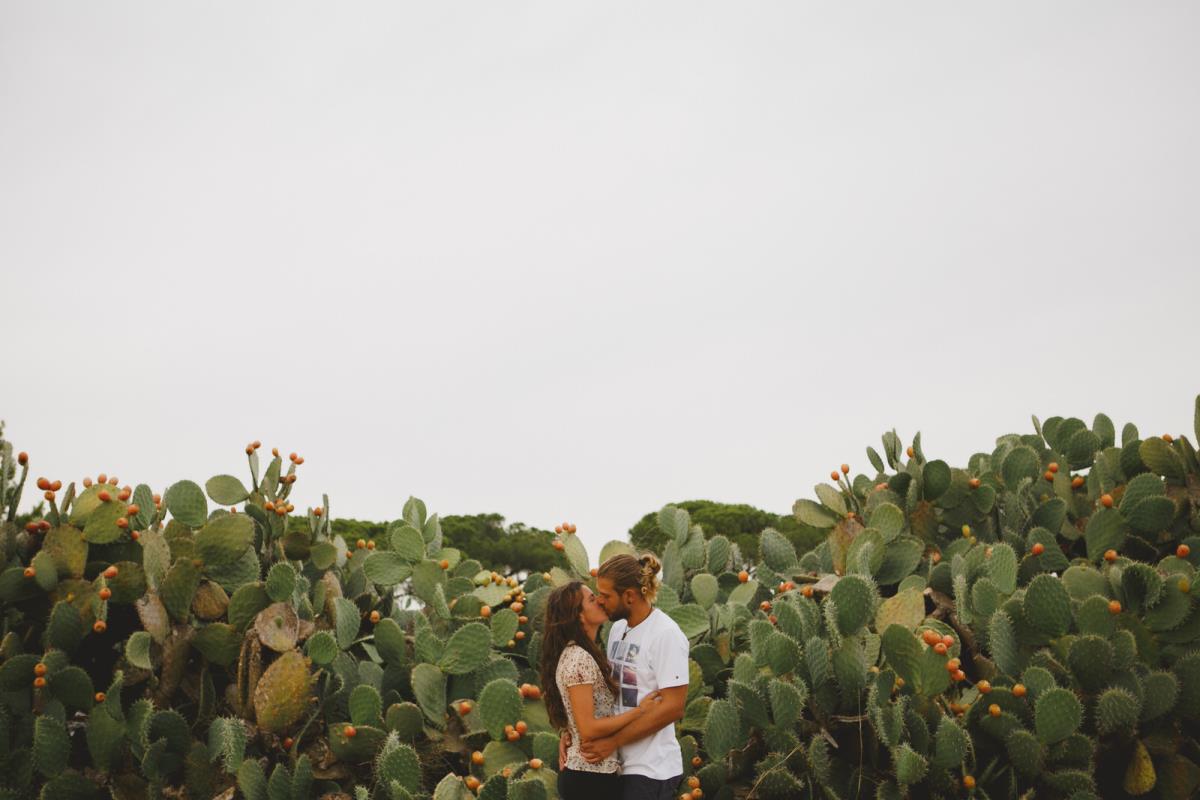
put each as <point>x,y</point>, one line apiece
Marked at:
<point>623,659</point>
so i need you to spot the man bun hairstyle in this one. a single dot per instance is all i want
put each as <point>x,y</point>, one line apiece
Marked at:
<point>627,572</point>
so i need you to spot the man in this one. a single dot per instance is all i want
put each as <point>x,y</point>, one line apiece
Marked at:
<point>647,652</point>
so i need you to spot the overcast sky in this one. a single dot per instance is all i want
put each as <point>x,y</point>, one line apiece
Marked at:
<point>573,261</point>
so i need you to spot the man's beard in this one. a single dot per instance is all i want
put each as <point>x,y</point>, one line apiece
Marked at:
<point>621,612</point>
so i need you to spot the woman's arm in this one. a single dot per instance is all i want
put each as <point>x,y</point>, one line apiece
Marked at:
<point>666,712</point>
<point>593,727</point>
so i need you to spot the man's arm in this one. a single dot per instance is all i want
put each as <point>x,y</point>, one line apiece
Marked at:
<point>666,712</point>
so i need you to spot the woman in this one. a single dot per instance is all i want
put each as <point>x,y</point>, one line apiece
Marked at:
<point>580,693</point>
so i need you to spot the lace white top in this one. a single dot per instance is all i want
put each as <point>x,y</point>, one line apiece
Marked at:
<point>576,666</point>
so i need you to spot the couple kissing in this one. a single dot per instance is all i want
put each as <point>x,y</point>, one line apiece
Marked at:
<point>616,708</point>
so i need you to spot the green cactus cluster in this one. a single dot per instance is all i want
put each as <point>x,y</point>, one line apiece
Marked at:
<point>1021,626</point>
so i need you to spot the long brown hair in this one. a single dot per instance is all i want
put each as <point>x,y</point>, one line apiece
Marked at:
<point>561,628</point>
<point>627,572</point>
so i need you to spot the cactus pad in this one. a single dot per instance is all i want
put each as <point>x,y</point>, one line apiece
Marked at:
<point>855,598</point>
<point>1116,710</point>
<point>722,730</point>
<point>950,743</point>
<point>1057,714</point>
<point>429,687</point>
<point>225,539</point>
<point>467,650</point>
<point>185,500</point>
<point>405,720</point>
<point>399,763</point>
<point>277,627</point>
<point>1047,606</point>
<point>499,705</point>
<point>282,695</point>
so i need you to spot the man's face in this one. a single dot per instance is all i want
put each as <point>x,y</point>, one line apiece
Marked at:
<point>613,603</point>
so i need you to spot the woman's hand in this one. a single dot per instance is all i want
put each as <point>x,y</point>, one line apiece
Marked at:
<point>648,701</point>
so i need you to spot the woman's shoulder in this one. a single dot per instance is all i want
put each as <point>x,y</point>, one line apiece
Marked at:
<point>574,657</point>
<point>574,651</point>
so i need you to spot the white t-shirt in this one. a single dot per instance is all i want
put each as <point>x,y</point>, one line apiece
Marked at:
<point>646,658</point>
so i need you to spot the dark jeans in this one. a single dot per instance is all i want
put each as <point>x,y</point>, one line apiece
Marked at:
<point>639,787</point>
<point>580,785</point>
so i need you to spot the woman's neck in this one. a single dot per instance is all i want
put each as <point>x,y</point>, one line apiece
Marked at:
<point>590,631</point>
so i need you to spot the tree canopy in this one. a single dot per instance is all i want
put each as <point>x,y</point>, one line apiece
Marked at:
<point>504,548</point>
<point>740,523</point>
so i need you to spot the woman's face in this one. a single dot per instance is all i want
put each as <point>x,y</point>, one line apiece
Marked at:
<point>592,613</point>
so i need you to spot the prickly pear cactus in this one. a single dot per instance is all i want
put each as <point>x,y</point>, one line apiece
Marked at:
<point>1023,625</point>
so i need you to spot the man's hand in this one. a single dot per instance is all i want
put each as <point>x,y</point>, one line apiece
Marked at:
<point>597,750</point>
<point>564,741</point>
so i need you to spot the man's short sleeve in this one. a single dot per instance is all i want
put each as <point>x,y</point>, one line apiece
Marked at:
<point>671,665</point>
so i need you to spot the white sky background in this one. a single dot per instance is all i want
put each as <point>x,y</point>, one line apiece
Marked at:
<point>575,261</point>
